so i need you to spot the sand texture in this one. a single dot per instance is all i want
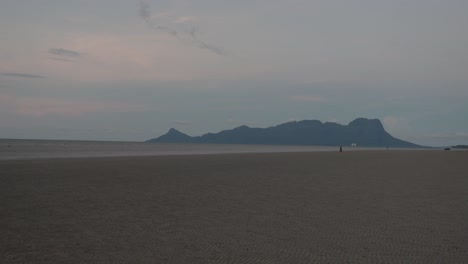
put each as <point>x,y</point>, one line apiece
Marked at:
<point>322,207</point>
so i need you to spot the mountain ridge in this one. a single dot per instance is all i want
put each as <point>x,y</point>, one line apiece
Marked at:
<point>360,132</point>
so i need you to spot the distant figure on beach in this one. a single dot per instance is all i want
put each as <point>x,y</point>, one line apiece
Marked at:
<point>341,148</point>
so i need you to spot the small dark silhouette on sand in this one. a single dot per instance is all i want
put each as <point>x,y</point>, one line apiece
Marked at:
<point>341,148</point>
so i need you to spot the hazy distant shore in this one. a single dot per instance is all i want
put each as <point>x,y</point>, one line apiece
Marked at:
<point>315,207</point>
<point>11,149</point>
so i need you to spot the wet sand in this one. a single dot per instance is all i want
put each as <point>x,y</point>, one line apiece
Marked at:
<point>318,207</point>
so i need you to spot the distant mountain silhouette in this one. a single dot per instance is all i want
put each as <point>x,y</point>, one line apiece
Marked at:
<point>362,132</point>
<point>173,136</point>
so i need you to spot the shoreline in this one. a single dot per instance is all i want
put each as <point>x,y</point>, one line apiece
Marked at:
<point>27,150</point>
<point>182,154</point>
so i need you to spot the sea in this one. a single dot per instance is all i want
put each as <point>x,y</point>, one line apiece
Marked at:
<point>14,149</point>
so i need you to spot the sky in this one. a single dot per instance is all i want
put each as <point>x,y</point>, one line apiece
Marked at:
<point>130,70</point>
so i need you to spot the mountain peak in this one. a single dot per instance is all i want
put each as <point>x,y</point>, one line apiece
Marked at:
<point>360,132</point>
<point>173,136</point>
<point>241,127</point>
<point>366,123</point>
<point>173,131</point>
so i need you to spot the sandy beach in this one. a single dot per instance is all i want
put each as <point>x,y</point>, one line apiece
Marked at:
<point>317,207</point>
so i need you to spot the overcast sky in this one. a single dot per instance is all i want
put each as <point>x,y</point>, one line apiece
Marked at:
<point>130,70</point>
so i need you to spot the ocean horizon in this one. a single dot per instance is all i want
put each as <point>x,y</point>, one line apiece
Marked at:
<point>12,149</point>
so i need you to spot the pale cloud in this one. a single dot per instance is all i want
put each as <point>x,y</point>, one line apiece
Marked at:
<point>307,98</point>
<point>444,138</point>
<point>391,121</point>
<point>46,106</point>
<point>76,19</point>
<point>334,120</point>
<point>185,19</point>
<point>232,121</point>
<point>397,126</point>
<point>61,59</point>
<point>182,122</point>
<point>448,135</point>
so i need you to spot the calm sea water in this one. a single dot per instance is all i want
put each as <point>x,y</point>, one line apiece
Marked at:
<point>32,149</point>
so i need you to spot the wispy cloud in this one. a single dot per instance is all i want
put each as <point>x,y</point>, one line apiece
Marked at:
<point>21,75</point>
<point>203,45</point>
<point>65,55</point>
<point>190,32</point>
<point>65,52</point>
<point>144,11</point>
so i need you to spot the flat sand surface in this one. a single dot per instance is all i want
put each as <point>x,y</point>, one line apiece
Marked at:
<point>318,207</point>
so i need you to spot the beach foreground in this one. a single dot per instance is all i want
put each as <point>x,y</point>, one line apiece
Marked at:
<point>318,207</point>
